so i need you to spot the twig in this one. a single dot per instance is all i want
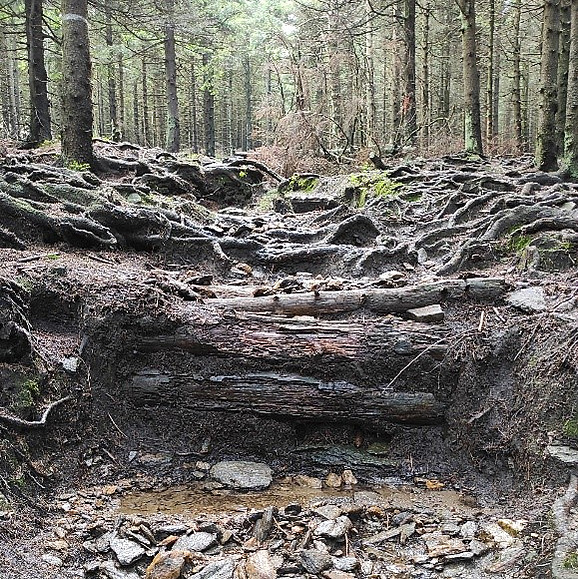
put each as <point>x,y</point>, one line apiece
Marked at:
<point>482,320</point>
<point>116,425</point>
<point>15,421</point>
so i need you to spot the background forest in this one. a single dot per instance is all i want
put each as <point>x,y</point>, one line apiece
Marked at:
<point>291,79</point>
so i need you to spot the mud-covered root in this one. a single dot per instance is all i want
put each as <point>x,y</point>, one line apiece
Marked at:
<point>565,559</point>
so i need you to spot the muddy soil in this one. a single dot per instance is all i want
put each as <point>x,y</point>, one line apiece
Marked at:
<point>405,340</point>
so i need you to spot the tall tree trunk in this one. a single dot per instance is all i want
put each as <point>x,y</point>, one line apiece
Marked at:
<point>173,120</point>
<point>193,105</point>
<point>208,106</point>
<point>136,115</point>
<point>408,110</point>
<point>472,121</point>
<point>490,79</point>
<point>110,75</point>
<point>562,83</point>
<point>425,87</point>
<point>146,126</point>
<point>37,76</point>
<point>571,136</point>
<point>546,145</point>
<point>517,78</point>
<point>121,99</point>
<point>77,95</point>
<point>248,104</point>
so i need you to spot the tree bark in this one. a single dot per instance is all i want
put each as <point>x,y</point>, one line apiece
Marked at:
<point>173,120</point>
<point>208,106</point>
<point>37,77</point>
<point>571,133</point>
<point>284,396</point>
<point>563,64</point>
<point>409,111</point>
<point>472,121</point>
<point>546,144</point>
<point>77,94</point>
<point>111,79</point>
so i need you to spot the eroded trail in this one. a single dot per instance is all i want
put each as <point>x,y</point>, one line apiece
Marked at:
<point>418,323</point>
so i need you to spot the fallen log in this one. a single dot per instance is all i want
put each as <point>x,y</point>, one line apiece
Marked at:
<point>377,300</point>
<point>283,396</point>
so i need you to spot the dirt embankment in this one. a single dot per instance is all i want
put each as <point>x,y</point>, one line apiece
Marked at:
<point>429,311</point>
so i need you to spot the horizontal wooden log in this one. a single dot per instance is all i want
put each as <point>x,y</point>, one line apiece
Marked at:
<point>378,300</point>
<point>276,338</point>
<point>283,396</point>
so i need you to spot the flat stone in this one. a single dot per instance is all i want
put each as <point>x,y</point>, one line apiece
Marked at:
<point>530,300</point>
<point>259,565</point>
<point>506,559</point>
<point>433,313</point>
<point>347,564</point>
<point>497,535</point>
<point>315,561</point>
<point>336,574</point>
<point>334,529</point>
<point>111,571</point>
<point>53,560</point>
<point>167,565</point>
<point>242,474</point>
<point>222,569</point>
<point>465,556</point>
<point>127,552</point>
<point>195,542</point>
<point>478,548</point>
<point>329,512</point>
<point>565,454</point>
<point>440,545</point>
<point>382,536</point>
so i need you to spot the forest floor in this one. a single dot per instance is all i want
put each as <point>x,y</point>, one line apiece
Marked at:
<point>365,375</point>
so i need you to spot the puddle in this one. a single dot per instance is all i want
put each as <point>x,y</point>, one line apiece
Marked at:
<point>194,500</point>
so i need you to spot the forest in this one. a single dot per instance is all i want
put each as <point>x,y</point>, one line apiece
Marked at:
<point>288,289</point>
<point>293,80</point>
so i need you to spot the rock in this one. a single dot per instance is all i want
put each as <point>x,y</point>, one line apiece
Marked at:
<point>310,482</point>
<point>506,559</point>
<point>382,536</point>
<point>450,529</point>
<point>478,548</point>
<point>164,531</point>
<point>493,532</point>
<point>127,552</point>
<point>512,527</point>
<point>315,561</point>
<point>433,313</point>
<point>70,364</point>
<point>102,544</point>
<point>330,512</point>
<point>59,545</point>
<point>421,255</point>
<point>52,560</point>
<point>333,480</point>
<point>242,474</point>
<point>91,567</point>
<point>348,477</point>
<point>167,565</point>
<point>401,518</point>
<point>260,566</point>
<point>465,556</point>
<point>405,532</point>
<point>367,498</point>
<point>264,524</point>
<point>335,574</point>
<point>134,198</point>
<point>468,530</point>
<point>530,300</point>
<point>565,454</point>
<point>195,542</point>
<point>333,529</point>
<point>347,564</point>
<point>222,569</point>
<point>440,545</point>
<point>111,571</point>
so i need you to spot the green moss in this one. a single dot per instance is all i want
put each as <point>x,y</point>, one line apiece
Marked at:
<point>76,166</point>
<point>570,427</point>
<point>517,243</point>
<point>571,561</point>
<point>302,184</point>
<point>376,184</point>
<point>26,394</point>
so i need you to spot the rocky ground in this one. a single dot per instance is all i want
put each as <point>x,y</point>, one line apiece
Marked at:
<point>395,352</point>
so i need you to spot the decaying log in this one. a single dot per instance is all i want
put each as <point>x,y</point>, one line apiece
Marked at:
<point>377,300</point>
<point>285,396</point>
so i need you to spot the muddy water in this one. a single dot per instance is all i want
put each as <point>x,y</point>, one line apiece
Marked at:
<point>194,500</point>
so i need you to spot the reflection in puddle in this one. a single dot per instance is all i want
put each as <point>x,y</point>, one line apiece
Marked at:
<point>194,500</point>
